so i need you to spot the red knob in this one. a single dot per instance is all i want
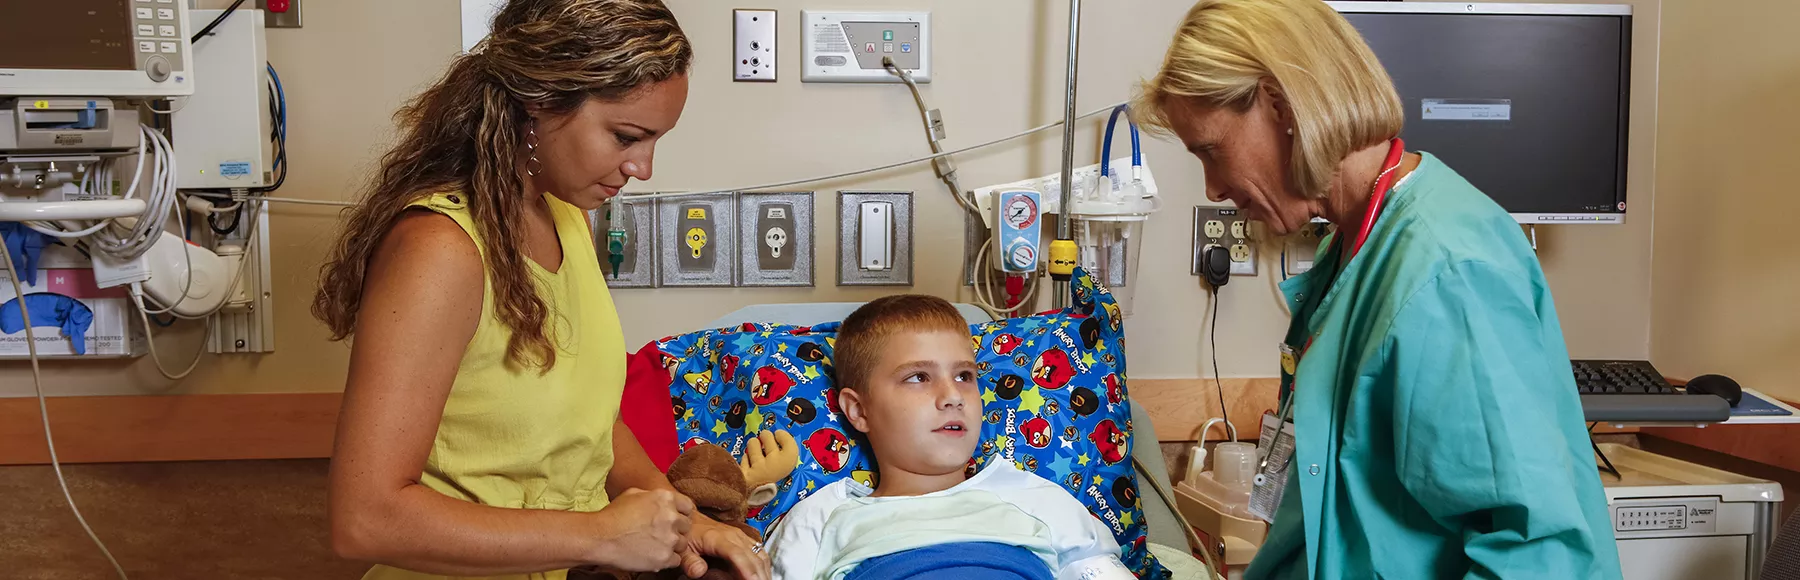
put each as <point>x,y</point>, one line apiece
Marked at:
<point>278,5</point>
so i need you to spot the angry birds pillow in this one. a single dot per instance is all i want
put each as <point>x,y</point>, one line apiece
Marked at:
<point>1054,403</point>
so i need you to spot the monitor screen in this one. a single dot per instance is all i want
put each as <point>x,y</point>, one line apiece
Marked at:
<point>1530,108</point>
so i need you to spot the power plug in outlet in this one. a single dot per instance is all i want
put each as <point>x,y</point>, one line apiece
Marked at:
<point>1226,228</point>
<point>753,45</point>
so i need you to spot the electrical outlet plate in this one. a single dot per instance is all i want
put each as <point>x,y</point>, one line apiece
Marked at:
<point>775,238</point>
<point>696,240</point>
<point>847,47</point>
<point>639,268</point>
<point>1303,249</point>
<point>1230,228</point>
<point>897,261</point>
<point>289,18</point>
<point>753,45</point>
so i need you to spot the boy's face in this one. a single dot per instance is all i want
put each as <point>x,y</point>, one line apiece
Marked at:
<point>921,406</point>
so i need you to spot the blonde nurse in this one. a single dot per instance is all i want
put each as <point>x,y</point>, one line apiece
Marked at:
<point>479,435</point>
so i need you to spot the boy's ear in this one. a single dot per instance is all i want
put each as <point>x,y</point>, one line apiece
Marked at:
<point>852,402</point>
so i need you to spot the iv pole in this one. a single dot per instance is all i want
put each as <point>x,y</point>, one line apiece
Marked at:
<point>1062,250</point>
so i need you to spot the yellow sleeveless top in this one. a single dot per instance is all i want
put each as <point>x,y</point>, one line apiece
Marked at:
<point>511,437</point>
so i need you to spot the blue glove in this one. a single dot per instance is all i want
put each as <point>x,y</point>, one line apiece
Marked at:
<point>25,245</point>
<point>47,309</point>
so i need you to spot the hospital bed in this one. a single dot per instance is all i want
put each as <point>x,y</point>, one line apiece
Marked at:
<point>1167,539</point>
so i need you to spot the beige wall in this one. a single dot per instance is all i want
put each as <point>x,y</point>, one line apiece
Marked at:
<point>1726,284</point>
<point>999,70</point>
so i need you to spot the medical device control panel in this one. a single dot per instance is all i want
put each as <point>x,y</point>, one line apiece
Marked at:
<point>848,47</point>
<point>95,48</point>
<point>1019,239</point>
<point>775,233</point>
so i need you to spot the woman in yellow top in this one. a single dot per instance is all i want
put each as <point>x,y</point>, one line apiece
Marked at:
<point>479,435</point>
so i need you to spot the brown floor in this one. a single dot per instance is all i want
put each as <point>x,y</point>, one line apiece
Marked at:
<point>247,520</point>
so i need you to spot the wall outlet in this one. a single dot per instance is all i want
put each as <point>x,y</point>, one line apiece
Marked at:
<point>1226,227</point>
<point>775,233</point>
<point>753,45</point>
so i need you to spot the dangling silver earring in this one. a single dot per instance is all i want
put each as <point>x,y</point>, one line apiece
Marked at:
<point>532,165</point>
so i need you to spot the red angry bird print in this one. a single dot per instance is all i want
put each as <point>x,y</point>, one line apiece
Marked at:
<point>831,402</point>
<point>769,385</point>
<point>728,365</point>
<point>1052,369</point>
<point>690,443</point>
<point>1037,432</point>
<point>1115,390</point>
<point>830,447</point>
<point>1005,343</point>
<point>1110,440</point>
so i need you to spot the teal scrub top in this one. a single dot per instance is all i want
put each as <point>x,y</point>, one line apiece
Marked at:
<point>1438,432</point>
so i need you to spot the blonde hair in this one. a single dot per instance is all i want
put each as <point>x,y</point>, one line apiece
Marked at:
<point>465,133</point>
<point>1341,98</point>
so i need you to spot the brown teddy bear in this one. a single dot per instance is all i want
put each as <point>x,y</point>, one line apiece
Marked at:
<point>723,489</point>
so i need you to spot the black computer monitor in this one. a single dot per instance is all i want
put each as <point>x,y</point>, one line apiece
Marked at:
<point>1530,102</point>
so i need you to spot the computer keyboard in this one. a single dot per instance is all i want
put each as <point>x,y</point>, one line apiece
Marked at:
<point>1632,391</point>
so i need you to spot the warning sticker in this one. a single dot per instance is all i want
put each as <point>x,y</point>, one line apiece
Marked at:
<point>1465,109</point>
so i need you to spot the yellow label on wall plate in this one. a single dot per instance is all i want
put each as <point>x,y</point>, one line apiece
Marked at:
<point>40,104</point>
<point>696,213</point>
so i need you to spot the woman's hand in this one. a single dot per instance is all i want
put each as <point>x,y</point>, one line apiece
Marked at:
<point>711,538</point>
<point>644,531</point>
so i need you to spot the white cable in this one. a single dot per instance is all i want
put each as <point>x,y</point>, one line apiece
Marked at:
<point>188,259</point>
<point>1212,567</point>
<point>159,202</point>
<point>986,300</point>
<point>211,195</point>
<point>37,382</point>
<point>926,158</point>
<point>137,298</point>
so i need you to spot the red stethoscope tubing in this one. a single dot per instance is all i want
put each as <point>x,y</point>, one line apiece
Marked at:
<point>1391,166</point>
<point>1383,183</point>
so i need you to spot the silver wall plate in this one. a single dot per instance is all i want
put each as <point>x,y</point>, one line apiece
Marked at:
<point>639,268</point>
<point>775,239</point>
<point>861,264</point>
<point>696,240</point>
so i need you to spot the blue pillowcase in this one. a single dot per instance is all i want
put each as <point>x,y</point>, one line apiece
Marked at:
<point>1054,403</point>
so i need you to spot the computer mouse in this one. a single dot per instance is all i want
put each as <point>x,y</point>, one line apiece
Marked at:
<point>1719,385</point>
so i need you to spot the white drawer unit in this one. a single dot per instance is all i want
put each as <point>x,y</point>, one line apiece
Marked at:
<point>1675,520</point>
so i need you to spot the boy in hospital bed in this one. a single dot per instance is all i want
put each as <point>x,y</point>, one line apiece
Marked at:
<point>906,379</point>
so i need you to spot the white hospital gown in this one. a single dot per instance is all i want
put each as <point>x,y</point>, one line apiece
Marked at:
<point>829,533</point>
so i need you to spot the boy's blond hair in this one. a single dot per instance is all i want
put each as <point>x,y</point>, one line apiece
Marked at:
<point>865,332</point>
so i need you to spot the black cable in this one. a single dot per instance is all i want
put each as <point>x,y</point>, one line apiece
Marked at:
<point>1217,381</point>
<point>215,22</point>
<point>1602,454</point>
<point>237,217</point>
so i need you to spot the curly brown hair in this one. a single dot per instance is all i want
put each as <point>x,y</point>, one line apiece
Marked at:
<point>465,134</point>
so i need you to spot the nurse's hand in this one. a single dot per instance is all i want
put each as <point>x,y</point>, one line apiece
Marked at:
<point>644,531</point>
<point>711,538</point>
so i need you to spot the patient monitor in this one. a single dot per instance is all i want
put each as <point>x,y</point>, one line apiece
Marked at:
<point>115,48</point>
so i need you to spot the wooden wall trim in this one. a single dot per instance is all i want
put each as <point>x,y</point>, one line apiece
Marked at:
<point>301,425</point>
<point>1777,445</point>
<point>170,428</point>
